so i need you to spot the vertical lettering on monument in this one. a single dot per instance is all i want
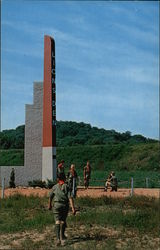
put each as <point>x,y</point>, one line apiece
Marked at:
<point>53,75</point>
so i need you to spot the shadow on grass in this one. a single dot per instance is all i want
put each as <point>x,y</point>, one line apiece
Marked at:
<point>78,239</point>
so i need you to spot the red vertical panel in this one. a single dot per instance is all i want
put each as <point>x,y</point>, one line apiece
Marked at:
<point>47,94</point>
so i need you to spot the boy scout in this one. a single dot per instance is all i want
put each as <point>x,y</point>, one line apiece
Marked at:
<point>87,174</point>
<point>111,182</point>
<point>12,179</point>
<point>108,181</point>
<point>114,182</point>
<point>61,196</point>
<point>72,181</point>
<point>60,169</point>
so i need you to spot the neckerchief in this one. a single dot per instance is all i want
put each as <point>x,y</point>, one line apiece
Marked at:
<point>60,182</point>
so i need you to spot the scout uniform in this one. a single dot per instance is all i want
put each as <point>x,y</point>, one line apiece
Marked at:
<point>12,179</point>
<point>60,170</point>
<point>114,182</point>
<point>60,195</point>
<point>87,175</point>
<point>72,182</point>
<point>108,181</point>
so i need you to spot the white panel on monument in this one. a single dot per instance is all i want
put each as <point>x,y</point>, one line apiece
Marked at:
<point>48,163</point>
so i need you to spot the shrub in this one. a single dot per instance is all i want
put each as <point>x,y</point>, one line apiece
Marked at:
<point>37,183</point>
<point>50,183</point>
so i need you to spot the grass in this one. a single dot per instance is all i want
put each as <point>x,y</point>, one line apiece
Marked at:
<point>136,212</point>
<point>139,161</point>
<point>20,213</point>
<point>102,223</point>
<point>12,157</point>
<point>120,156</point>
<point>98,178</point>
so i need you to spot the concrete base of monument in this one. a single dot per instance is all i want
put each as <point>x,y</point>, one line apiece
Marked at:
<point>48,163</point>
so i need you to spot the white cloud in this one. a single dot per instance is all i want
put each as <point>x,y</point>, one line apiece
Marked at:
<point>101,75</point>
<point>132,74</point>
<point>137,33</point>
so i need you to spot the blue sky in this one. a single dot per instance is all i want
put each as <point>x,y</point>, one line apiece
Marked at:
<point>106,61</point>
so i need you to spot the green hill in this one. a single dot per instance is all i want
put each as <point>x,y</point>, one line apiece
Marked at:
<point>12,138</point>
<point>73,134</point>
<point>79,142</point>
<point>144,156</point>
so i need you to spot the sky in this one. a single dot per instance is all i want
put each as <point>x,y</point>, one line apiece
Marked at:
<point>107,61</point>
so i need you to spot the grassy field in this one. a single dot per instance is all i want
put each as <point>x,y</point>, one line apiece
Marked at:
<point>139,161</point>
<point>124,178</point>
<point>104,223</point>
<point>122,156</point>
<point>12,157</point>
<point>98,178</point>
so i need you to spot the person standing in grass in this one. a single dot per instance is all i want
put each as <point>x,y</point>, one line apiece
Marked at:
<point>72,181</point>
<point>113,182</point>
<point>87,174</point>
<point>61,195</point>
<point>108,182</point>
<point>12,179</point>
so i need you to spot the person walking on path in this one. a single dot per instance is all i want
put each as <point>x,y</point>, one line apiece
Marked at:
<point>61,196</point>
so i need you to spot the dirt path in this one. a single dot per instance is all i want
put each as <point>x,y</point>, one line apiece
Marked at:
<point>98,237</point>
<point>92,192</point>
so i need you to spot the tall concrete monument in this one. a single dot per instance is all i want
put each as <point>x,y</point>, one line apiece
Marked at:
<point>40,124</point>
<point>49,111</point>
<point>40,127</point>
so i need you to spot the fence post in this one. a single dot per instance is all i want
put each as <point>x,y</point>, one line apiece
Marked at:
<point>131,186</point>
<point>3,186</point>
<point>79,180</point>
<point>147,182</point>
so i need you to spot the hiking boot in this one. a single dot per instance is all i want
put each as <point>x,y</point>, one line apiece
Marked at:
<point>64,237</point>
<point>58,243</point>
<point>63,242</point>
<point>62,231</point>
<point>57,229</point>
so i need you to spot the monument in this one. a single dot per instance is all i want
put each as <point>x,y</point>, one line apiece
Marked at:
<point>40,127</point>
<point>40,124</point>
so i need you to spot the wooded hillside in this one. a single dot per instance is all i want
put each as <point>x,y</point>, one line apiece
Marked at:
<point>73,134</point>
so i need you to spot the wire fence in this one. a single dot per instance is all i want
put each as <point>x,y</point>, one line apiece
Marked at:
<point>131,183</point>
<point>126,183</point>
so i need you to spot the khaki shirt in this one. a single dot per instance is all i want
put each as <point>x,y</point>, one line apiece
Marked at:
<point>60,195</point>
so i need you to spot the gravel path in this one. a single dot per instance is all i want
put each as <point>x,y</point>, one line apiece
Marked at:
<point>91,192</point>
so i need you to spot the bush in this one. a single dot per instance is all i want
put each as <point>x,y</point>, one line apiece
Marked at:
<point>37,183</point>
<point>42,184</point>
<point>50,183</point>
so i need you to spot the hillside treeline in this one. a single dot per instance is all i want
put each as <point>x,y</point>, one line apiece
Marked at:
<point>12,138</point>
<point>72,134</point>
